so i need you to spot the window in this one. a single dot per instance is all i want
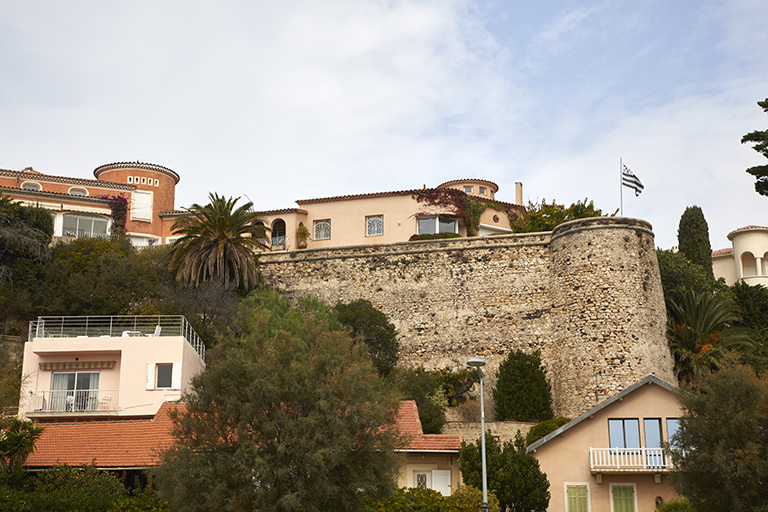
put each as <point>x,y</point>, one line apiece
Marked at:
<point>78,192</point>
<point>433,225</point>
<point>74,391</point>
<point>482,190</point>
<point>136,180</point>
<point>624,433</point>
<point>672,425</point>
<point>374,225</point>
<point>422,479</point>
<point>143,180</point>
<point>32,186</point>
<point>622,497</point>
<point>654,453</point>
<point>130,179</point>
<point>157,183</point>
<point>142,205</point>
<point>323,229</point>
<point>163,376</point>
<point>468,190</point>
<point>576,498</point>
<point>75,226</point>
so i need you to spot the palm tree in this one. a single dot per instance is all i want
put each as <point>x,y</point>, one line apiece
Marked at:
<point>17,443</point>
<point>218,243</point>
<point>700,332</point>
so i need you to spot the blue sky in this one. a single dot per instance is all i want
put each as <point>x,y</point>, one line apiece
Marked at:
<point>302,99</point>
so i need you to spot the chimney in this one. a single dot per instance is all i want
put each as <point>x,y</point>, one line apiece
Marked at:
<point>519,193</point>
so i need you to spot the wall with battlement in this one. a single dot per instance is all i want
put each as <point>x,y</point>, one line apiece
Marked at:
<point>588,296</point>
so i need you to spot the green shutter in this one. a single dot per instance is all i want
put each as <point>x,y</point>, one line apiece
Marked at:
<point>623,498</point>
<point>577,498</point>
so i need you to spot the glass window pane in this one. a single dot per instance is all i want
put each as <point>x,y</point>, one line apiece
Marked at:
<point>652,429</point>
<point>632,433</point>
<point>99,227</point>
<point>673,424</point>
<point>164,373</point>
<point>447,226</point>
<point>427,226</point>
<point>616,433</point>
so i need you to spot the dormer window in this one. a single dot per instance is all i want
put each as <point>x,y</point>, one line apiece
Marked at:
<point>81,192</point>
<point>31,186</point>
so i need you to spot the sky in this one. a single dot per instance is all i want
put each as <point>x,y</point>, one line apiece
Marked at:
<point>279,101</point>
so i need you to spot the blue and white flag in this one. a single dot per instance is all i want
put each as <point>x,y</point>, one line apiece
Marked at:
<point>630,180</point>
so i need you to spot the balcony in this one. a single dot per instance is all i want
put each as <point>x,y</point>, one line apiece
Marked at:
<point>93,402</point>
<point>629,460</point>
<point>116,326</point>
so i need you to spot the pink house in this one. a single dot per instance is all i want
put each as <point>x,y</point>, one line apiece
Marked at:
<point>611,458</point>
<point>79,368</point>
<point>746,260</point>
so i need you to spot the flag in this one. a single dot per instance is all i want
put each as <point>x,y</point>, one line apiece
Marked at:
<point>630,180</point>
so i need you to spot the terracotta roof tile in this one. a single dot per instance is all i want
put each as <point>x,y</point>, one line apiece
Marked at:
<point>38,176</point>
<point>408,423</point>
<point>107,444</point>
<point>746,228</point>
<point>722,252</point>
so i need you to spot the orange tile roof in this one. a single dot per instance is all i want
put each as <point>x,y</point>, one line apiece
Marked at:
<point>408,423</point>
<point>122,444</point>
<point>722,252</point>
<point>107,444</point>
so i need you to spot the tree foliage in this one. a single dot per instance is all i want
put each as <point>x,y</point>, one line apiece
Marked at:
<point>543,216</point>
<point>522,392</point>
<point>760,139</point>
<point>721,447</point>
<point>464,499</point>
<point>463,206</point>
<point>513,475</point>
<point>424,387</point>
<point>374,329</point>
<point>700,332</point>
<point>693,239</point>
<point>218,243</point>
<point>290,416</point>
<point>543,428</point>
<point>680,275</point>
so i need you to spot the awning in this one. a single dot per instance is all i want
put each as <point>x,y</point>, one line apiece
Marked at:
<point>79,365</point>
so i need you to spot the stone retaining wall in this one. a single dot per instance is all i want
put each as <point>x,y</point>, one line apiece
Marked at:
<point>588,296</point>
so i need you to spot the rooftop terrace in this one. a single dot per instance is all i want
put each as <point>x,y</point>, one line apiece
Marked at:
<point>116,326</point>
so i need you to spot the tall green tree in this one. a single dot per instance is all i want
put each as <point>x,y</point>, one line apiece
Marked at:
<point>721,448</point>
<point>522,392</point>
<point>760,139</point>
<point>700,332</point>
<point>374,329</point>
<point>218,243</point>
<point>513,474</point>
<point>693,238</point>
<point>292,416</point>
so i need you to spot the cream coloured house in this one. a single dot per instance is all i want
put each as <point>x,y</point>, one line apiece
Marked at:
<point>610,459</point>
<point>746,260</point>
<point>387,217</point>
<point>114,367</point>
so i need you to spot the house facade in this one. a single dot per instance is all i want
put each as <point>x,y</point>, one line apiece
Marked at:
<point>115,367</point>
<point>746,260</point>
<point>387,217</point>
<point>610,459</point>
<point>79,206</point>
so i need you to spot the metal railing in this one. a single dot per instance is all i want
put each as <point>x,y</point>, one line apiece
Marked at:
<point>116,326</point>
<point>85,400</point>
<point>72,233</point>
<point>280,241</point>
<point>629,459</point>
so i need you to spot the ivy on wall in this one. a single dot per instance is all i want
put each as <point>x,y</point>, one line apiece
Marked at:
<point>119,206</point>
<point>466,208</point>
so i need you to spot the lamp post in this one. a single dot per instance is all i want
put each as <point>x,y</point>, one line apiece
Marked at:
<point>477,363</point>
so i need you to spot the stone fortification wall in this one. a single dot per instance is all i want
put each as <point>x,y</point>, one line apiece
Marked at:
<point>588,296</point>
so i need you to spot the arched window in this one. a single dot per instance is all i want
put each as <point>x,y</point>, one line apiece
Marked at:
<point>78,192</point>
<point>29,185</point>
<point>278,234</point>
<point>748,265</point>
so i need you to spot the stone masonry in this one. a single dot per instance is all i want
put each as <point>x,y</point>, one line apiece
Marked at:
<point>587,295</point>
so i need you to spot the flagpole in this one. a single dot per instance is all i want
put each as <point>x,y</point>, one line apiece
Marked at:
<point>621,187</point>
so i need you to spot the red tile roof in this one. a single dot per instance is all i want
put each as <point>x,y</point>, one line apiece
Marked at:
<point>491,184</point>
<point>722,252</point>
<point>409,424</point>
<point>746,228</point>
<point>107,444</point>
<point>122,444</point>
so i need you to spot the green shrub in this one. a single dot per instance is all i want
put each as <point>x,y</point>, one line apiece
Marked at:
<point>676,505</point>
<point>543,428</point>
<point>434,236</point>
<point>412,500</point>
<point>522,392</point>
<point>468,498</point>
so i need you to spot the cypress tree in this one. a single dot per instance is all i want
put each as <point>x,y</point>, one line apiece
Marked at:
<point>693,238</point>
<point>522,392</point>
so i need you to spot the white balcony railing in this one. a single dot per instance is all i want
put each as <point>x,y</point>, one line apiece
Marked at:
<point>620,460</point>
<point>116,326</point>
<point>86,400</point>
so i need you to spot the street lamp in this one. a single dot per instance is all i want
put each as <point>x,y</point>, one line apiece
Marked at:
<point>476,362</point>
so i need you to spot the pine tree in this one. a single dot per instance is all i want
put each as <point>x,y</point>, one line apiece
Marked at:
<point>760,138</point>
<point>693,238</point>
<point>522,392</point>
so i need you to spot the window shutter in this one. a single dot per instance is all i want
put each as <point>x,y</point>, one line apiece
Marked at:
<point>150,376</point>
<point>176,376</point>
<point>441,481</point>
